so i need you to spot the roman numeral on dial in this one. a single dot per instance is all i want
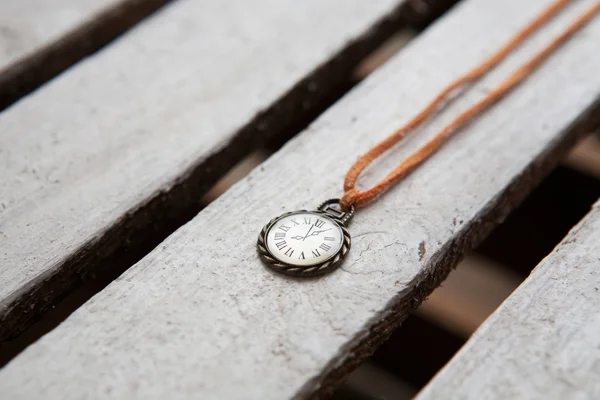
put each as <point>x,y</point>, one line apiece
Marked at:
<point>328,238</point>
<point>289,252</point>
<point>281,245</point>
<point>316,253</point>
<point>284,228</point>
<point>301,256</point>
<point>281,236</point>
<point>325,247</point>
<point>319,223</point>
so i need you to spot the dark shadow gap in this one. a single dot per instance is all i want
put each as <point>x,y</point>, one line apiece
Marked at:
<point>411,356</point>
<point>542,220</point>
<point>417,350</point>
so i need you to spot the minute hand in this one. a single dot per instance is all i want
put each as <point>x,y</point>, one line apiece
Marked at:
<point>308,233</point>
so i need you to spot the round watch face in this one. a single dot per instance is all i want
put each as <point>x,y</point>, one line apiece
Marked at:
<point>304,238</point>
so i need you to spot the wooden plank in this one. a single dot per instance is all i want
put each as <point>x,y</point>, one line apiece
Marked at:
<point>39,39</point>
<point>107,157</point>
<point>200,316</point>
<point>543,341</point>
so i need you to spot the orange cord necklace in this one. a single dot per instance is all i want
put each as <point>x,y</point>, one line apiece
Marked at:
<point>310,243</point>
<point>353,197</point>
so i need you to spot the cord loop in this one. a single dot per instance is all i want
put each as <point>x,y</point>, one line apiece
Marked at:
<point>353,197</point>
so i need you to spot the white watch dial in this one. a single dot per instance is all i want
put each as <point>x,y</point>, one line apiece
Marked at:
<point>304,238</point>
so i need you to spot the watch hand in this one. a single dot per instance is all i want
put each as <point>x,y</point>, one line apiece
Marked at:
<point>309,229</point>
<point>298,237</point>
<point>315,233</point>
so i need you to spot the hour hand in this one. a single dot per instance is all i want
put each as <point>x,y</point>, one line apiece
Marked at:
<point>317,232</point>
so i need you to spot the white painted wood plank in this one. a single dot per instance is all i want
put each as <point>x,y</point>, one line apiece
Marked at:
<point>150,121</point>
<point>39,39</point>
<point>27,26</point>
<point>200,316</point>
<point>544,341</point>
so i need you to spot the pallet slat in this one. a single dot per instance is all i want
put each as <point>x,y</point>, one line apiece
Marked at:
<point>543,341</point>
<point>128,140</point>
<point>201,316</point>
<point>39,39</point>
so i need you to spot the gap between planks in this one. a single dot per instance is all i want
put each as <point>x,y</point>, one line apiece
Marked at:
<point>543,341</point>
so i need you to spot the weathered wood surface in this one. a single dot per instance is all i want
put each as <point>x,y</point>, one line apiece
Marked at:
<point>200,316</point>
<point>128,140</point>
<point>544,341</point>
<point>39,39</point>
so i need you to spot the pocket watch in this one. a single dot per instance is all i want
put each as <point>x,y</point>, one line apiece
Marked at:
<point>306,243</point>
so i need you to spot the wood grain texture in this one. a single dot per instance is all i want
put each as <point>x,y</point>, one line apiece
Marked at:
<point>129,140</point>
<point>200,316</point>
<point>30,25</point>
<point>543,341</point>
<point>39,39</point>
